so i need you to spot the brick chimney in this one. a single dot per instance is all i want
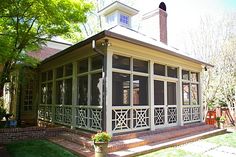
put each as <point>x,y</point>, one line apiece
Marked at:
<point>154,23</point>
<point>163,22</point>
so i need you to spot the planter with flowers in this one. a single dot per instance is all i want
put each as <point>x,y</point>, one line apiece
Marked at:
<point>101,140</point>
<point>222,122</point>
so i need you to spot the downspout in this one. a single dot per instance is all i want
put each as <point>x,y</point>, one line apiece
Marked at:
<point>104,74</point>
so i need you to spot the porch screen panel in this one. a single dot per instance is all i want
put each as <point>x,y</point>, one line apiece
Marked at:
<point>63,99</point>
<point>45,106</point>
<point>89,93</point>
<point>130,106</point>
<point>191,105</point>
<point>159,110</point>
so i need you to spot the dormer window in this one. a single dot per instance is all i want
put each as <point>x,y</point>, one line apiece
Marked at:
<point>118,13</point>
<point>110,19</point>
<point>124,19</point>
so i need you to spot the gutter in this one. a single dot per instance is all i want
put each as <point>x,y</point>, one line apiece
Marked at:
<point>104,75</point>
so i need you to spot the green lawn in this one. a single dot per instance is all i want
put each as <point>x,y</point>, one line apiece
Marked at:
<point>221,140</point>
<point>37,148</point>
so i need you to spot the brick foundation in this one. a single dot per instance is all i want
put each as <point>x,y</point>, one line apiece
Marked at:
<point>8,135</point>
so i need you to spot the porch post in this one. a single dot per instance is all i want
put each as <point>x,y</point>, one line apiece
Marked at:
<point>109,93</point>
<point>151,95</point>
<point>74,94</point>
<point>179,98</point>
<point>202,113</point>
<point>53,94</point>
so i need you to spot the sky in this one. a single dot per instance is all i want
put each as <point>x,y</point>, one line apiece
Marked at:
<point>185,15</point>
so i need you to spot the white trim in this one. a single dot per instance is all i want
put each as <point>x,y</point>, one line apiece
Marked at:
<point>109,93</point>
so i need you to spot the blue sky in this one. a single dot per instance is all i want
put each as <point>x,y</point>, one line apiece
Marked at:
<point>185,15</point>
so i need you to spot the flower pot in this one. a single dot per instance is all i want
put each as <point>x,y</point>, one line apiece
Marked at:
<point>100,149</point>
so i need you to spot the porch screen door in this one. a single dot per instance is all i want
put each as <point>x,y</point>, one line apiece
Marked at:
<point>165,110</point>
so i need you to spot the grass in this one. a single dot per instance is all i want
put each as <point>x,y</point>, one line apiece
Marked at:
<point>221,140</point>
<point>37,148</point>
<point>224,140</point>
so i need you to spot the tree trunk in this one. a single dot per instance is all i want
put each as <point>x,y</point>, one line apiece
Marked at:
<point>5,75</point>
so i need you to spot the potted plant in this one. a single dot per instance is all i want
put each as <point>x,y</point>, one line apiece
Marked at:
<point>218,121</point>
<point>222,121</point>
<point>101,140</point>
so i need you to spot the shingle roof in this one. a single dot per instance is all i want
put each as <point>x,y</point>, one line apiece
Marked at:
<point>43,53</point>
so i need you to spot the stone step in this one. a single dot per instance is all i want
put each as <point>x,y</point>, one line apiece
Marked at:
<point>73,147</point>
<point>153,138</point>
<point>166,143</point>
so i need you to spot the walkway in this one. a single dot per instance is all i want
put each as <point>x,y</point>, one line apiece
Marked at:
<point>209,149</point>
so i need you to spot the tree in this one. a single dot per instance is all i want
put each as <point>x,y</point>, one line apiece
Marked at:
<point>214,42</point>
<point>27,24</point>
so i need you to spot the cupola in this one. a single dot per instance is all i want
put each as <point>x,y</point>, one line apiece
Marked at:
<point>118,13</point>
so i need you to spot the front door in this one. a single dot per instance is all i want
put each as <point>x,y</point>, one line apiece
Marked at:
<point>165,107</point>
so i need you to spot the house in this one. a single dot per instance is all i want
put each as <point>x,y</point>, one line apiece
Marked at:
<point>118,80</point>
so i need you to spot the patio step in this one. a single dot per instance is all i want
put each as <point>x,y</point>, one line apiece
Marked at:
<point>136,142</point>
<point>148,148</point>
<point>160,135</point>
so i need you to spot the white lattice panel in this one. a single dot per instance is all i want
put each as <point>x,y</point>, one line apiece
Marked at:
<point>41,112</point>
<point>121,119</point>
<point>140,118</point>
<point>96,119</point>
<point>186,114</point>
<point>59,114</point>
<point>172,115</point>
<point>159,116</point>
<point>48,113</point>
<point>196,113</point>
<point>67,115</point>
<point>81,117</point>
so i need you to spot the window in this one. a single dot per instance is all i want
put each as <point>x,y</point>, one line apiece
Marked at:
<point>82,66</point>
<point>185,75</point>
<point>82,90</point>
<point>97,62</point>
<point>59,92</point>
<point>46,87</point>
<point>64,85</point>
<point>59,72</point>
<point>110,19</point>
<point>172,72</point>
<point>90,81</point>
<point>194,77</point>
<point>96,89</point>
<point>186,94</point>
<point>171,93</point>
<point>194,94</point>
<point>68,91</point>
<point>121,62</point>
<point>140,66</point>
<point>159,69</point>
<point>120,89</point>
<point>140,90</point>
<point>158,92</point>
<point>28,96</point>
<point>124,19</point>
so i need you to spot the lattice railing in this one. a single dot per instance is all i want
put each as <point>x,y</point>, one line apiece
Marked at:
<point>129,119</point>
<point>63,114</point>
<point>89,117</point>
<point>45,112</point>
<point>191,114</point>
<point>159,116</point>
